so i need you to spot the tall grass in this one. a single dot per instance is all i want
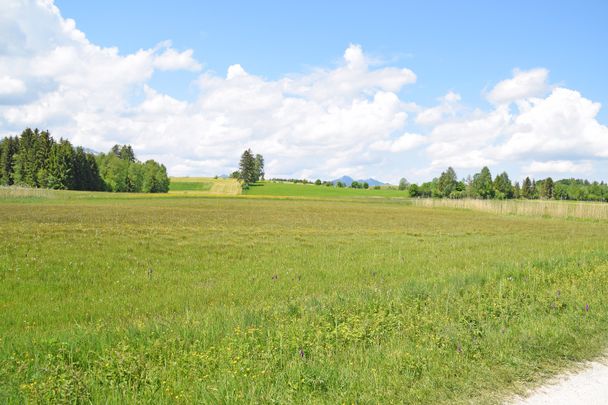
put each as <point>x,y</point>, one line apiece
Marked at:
<point>557,209</point>
<point>25,192</point>
<point>130,299</point>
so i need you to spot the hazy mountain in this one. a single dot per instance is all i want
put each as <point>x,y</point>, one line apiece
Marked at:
<point>349,180</point>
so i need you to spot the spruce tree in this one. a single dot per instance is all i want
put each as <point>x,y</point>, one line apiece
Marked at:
<point>42,146</point>
<point>27,169</point>
<point>9,148</point>
<point>61,166</point>
<point>247,167</point>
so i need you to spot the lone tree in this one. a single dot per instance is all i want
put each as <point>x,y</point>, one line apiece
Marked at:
<point>251,168</point>
<point>403,184</point>
<point>247,167</point>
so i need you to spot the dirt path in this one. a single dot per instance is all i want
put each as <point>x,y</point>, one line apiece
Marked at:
<point>588,386</point>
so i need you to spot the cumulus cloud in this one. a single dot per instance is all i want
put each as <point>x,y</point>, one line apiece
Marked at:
<point>351,118</point>
<point>170,59</point>
<point>523,84</point>
<point>562,124</point>
<point>404,143</point>
<point>559,166</point>
<point>466,142</point>
<point>10,86</point>
<point>449,106</point>
<point>319,122</point>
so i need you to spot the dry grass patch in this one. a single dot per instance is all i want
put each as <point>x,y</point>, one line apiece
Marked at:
<point>558,209</point>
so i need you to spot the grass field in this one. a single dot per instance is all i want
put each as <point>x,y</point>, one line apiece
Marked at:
<point>268,188</point>
<point>204,186</point>
<point>190,185</point>
<point>180,298</point>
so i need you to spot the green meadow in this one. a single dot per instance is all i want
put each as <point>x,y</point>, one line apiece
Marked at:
<point>191,185</point>
<point>204,298</point>
<point>269,188</point>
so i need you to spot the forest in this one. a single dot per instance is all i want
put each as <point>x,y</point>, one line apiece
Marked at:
<point>482,186</point>
<point>35,159</point>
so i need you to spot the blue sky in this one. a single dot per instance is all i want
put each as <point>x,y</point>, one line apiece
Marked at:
<point>458,45</point>
<point>383,89</point>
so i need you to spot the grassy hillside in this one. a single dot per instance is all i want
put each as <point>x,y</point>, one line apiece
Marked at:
<point>310,190</point>
<point>182,299</point>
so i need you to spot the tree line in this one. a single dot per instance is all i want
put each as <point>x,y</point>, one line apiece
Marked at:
<point>482,186</point>
<point>35,159</point>
<point>319,182</point>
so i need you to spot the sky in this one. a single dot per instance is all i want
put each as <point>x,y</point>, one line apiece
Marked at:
<point>322,89</point>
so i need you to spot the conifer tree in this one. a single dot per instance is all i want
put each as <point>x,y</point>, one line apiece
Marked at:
<point>43,144</point>
<point>8,149</point>
<point>61,170</point>
<point>247,167</point>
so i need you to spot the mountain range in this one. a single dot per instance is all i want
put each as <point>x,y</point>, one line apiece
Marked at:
<point>347,180</point>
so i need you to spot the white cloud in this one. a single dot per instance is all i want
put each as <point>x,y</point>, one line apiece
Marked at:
<point>235,71</point>
<point>563,124</point>
<point>466,142</point>
<point>171,59</point>
<point>11,87</point>
<point>559,166</point>
<point>348,119</point>
<point>353,79</point>
<point>404,143</point>
<point>524,84</point>
<point>448,106</point>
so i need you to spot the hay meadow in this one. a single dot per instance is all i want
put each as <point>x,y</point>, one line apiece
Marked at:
<point>203,296</point>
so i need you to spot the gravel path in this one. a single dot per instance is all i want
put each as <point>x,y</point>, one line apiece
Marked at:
<point>589,386</point>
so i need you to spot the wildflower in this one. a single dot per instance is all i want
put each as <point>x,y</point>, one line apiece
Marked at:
<point>301,353</point>
<point>587,308</point>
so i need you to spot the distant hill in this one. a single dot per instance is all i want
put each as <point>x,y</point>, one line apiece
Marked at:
<point>349,180</point>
